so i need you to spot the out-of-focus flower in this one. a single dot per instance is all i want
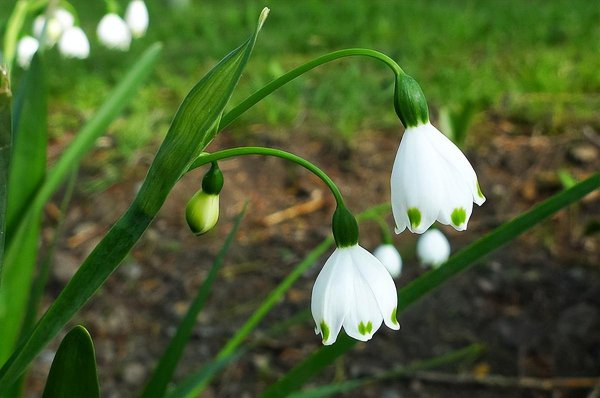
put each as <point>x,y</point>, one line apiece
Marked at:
<point>137,18</point>
<point>390,258</point>
<point>74,43</point>
<point>432,179</point>
<point>353,290</point>
<point>113,32</point>
<point>26,48</point>
<point>65,18</point>
<point>53,30</point>
<point>433,248</point>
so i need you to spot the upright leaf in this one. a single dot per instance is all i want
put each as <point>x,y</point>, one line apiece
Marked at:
<point>73,371</point>
<point>191,130</point>
<point>5,141</point>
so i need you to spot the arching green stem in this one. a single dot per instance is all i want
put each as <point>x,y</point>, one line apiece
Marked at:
<point>386,235</point>
<point>294,73</point>
<point>253,150</point>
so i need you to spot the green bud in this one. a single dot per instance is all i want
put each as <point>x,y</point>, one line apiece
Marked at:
<point>202,212</point>
<point>345,227</point>
<point>409,102</point>
<point>212,183</point>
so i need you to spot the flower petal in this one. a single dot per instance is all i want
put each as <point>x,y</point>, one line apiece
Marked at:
<point>364,317</point>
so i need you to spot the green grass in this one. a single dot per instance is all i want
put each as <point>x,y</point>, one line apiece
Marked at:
<point>535,61</point>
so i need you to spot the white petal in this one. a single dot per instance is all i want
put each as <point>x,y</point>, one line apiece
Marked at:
<point>379,281</point>
<point>433,248</point>
<point>389,256</point>
<point>113,32</point>
<point>74,43</point>
<point>416,182</point>
<point>136,17</point>
<point>364,316</point>
<point>329,304</point>
<point>64,17</point>
<point>26,48</point>
<point>457,203</point>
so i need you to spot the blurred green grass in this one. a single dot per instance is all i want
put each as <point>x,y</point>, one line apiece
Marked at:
<point>534,61</point>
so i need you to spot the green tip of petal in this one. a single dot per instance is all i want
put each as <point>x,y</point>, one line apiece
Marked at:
<point>324,331</point>
<point>365,329</point>
<point>394,320</point>
<point>479,193</point>
<point>414,216</point>
<point>459,216</point>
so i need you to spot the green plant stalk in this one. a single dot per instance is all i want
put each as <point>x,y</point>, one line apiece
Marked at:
<point>428,282</point>
<point>278,293</point>
<point>5,149</point>
<point>253,150</point>
<point>253,99</point>
<point>163,373</point>
<point>464,353</point>
<point>191,130</point>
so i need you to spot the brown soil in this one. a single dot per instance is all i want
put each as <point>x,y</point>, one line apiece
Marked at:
<point>534,304</point>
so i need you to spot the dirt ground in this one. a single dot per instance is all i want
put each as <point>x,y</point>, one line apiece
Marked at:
<point>534,304</point>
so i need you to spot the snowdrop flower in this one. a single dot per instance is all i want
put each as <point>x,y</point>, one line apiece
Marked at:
<point>74,43</point>
<point>53,30</point>
<point>202,212</point>
<point>433,248</point>
<point>26,48</point>
<point>136,16</point>
<point>113,32</point>
<point>390,258</point>
<point>353,290</point>
<point>64,18</point>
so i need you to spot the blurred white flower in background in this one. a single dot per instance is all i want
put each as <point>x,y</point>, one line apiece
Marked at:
<point>53,30</point>
<point>64,18</point>
<point>390,258</point>
<point>113,32</point>
<point>74,43</point>
<point>26,48</point>
<point>433,248</point>
<point>137,18</point>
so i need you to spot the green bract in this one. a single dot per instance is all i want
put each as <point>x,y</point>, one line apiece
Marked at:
<point>345,227</point>
<point>409,101</point>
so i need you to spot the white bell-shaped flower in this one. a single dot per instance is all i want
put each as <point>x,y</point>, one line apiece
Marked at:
<point>113,32</point>
<point>64,18</point>
<point>74,43</point>
<point>26,48</point>
<point>432,180</point>
<point>433,248</point>
<point>137,18</point>
<point>353,290</point>
<point>53,30</point>
<point>390,258</point>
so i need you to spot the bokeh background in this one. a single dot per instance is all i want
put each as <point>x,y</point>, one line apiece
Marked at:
<point>522,76</point>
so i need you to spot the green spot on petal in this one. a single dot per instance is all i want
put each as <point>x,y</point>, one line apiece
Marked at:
<point>362,329</point>
<point>479,193</point>
<point>369,327</point>
<point>459,216</point>
<point>324,330</point>
<point>394,320</point>
<point>414,215</point>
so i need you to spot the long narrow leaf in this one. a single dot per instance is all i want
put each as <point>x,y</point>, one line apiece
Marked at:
<point>163,373</point>
<point>27,171</point>
<point>5,147</point>
<point>73,371</point>
<point>191,130</point>
<point>423,285</point>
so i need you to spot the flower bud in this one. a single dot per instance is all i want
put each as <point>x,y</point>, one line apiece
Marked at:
<point>390,258</point>
<point>433,248</point>
<point>409,102</point>
<point>202,212</point>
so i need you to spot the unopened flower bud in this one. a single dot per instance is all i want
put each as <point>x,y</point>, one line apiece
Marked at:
<point>202,212</point>
<point>433,248</point>
<point>390,258</point>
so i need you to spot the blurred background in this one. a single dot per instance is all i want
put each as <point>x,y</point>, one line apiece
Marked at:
<point>518,79</point>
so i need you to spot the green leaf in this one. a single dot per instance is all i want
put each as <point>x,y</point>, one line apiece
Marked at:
<point>23,232</point>
<point>5,147</point>
<point>73,371</point>
<point>191,130</point>
<point>428,282</point>
<point>27,171</point>
<point>163,373</point>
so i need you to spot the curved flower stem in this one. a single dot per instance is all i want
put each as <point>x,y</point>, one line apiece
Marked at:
<point>205,158</point>
<point>386,235</point>
<point>294,73</point>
